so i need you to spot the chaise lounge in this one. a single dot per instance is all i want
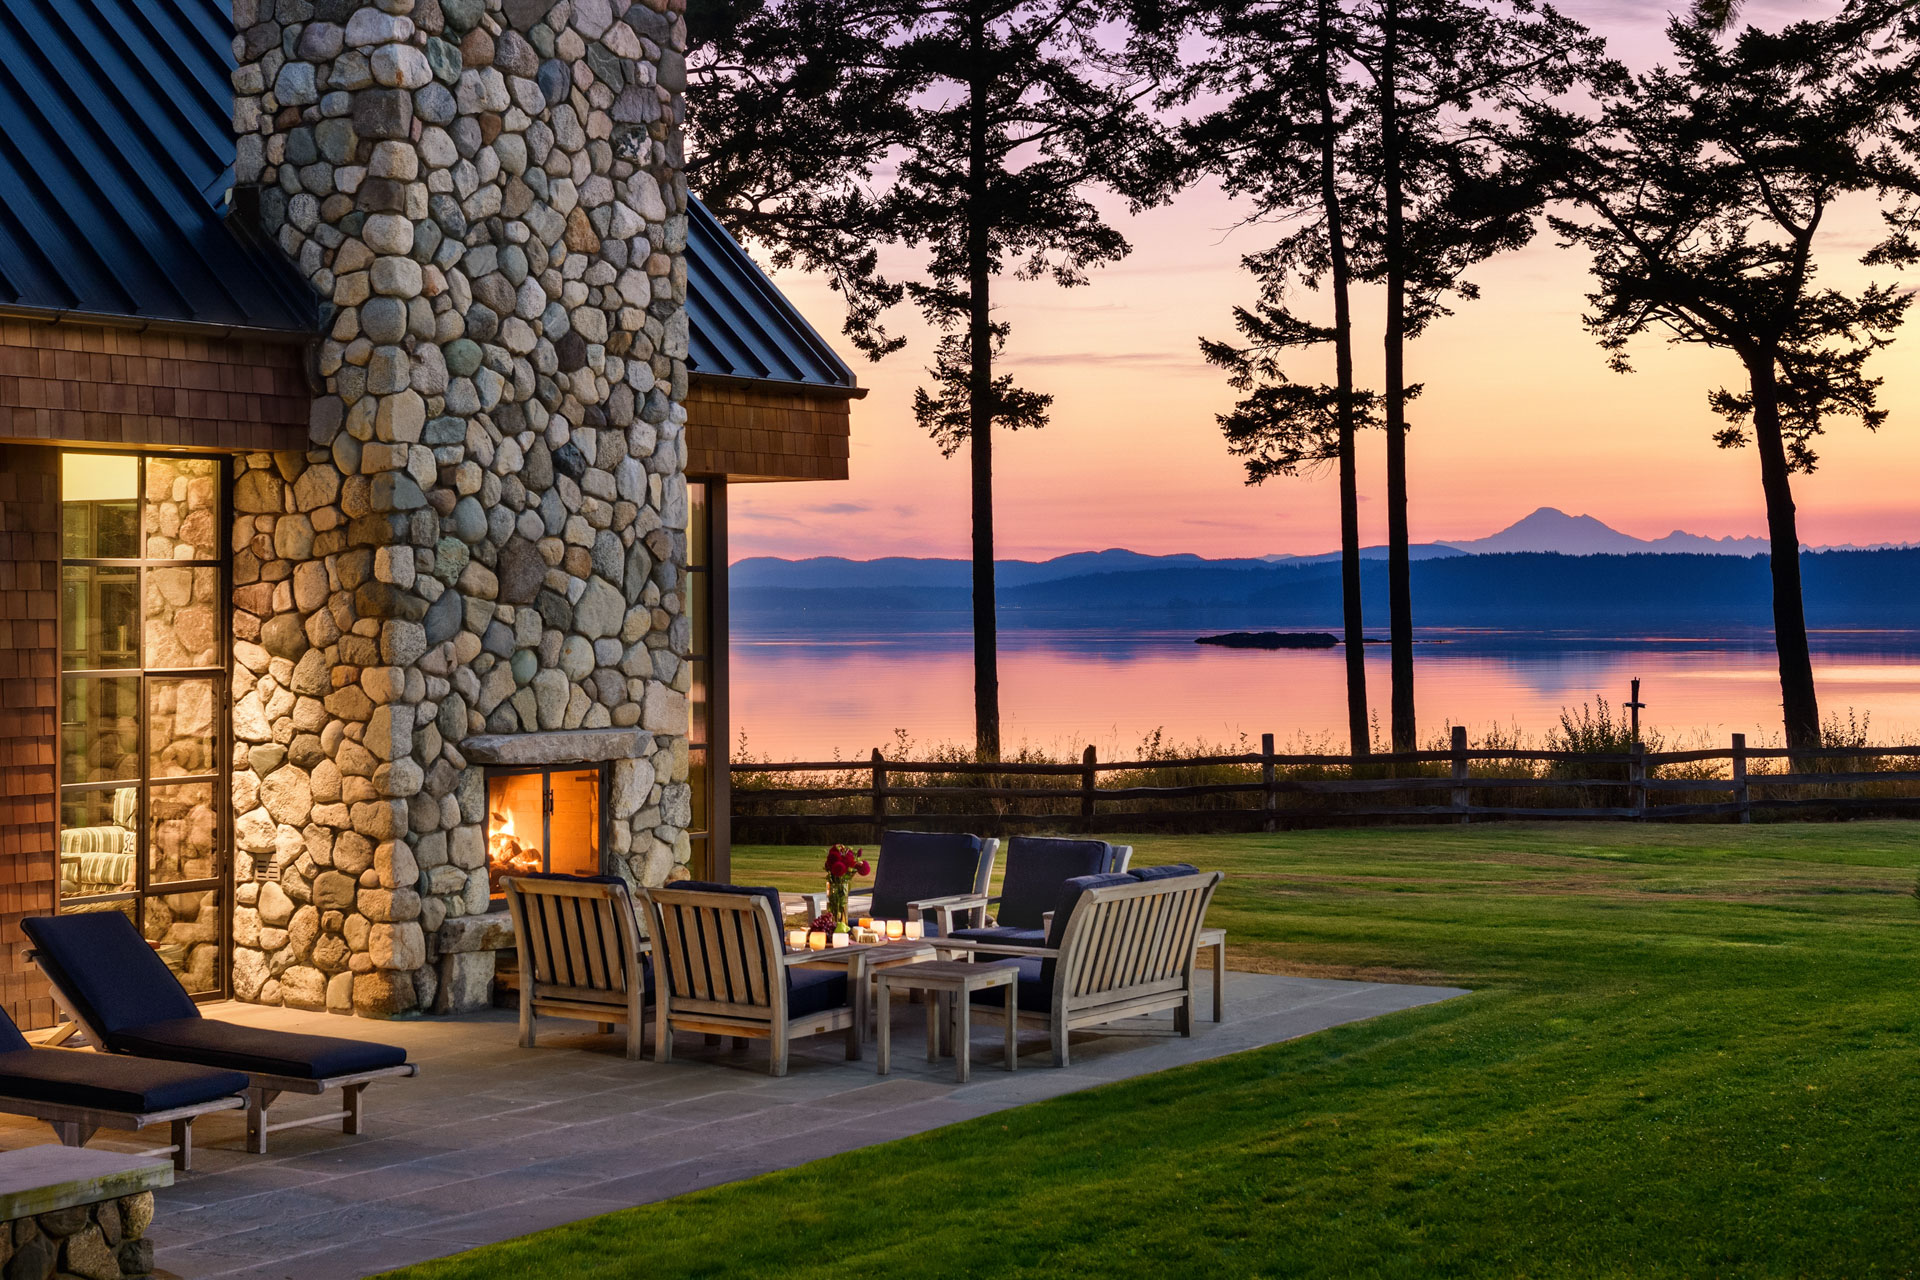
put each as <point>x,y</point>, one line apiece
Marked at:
<point>128,1002</point>
<point>79,1093</point>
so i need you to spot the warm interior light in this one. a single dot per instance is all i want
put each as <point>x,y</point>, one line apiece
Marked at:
<point>99,477</point>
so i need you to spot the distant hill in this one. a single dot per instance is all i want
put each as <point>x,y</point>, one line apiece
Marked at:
<point>1634,593</point>
<point>1551,529</point>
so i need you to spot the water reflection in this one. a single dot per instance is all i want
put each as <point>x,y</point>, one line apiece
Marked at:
<point>801,695</point>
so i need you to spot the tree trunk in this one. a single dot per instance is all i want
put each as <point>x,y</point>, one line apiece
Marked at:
<point>1358,732</point>
<point>1399,569</point>
<point>986,640</point>
<point>1797,700</point>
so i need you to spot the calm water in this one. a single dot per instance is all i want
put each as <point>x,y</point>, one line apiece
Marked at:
<point>799,696</point>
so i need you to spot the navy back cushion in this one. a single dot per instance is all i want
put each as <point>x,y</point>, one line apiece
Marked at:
<point>1036,868</point>
<point>10,1037</point>
<point>698,945</point>
<point>1070,897</point>
<point>1170,871</point>
<point>108,969</point>
<point>915,865</point>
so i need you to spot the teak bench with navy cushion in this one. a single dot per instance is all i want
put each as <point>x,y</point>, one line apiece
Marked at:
<point>922,875</point>
<point>1118,946</point>
<point>78,1093</point>
<point>1037,867</point>
<point>124,997</point>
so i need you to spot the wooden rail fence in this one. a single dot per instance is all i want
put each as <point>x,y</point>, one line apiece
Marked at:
<point>1268,791</point>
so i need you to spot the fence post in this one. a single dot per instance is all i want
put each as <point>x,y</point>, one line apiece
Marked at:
<point>1269,799</point>
<point>1637,780</point>
<point>879,793</point>
<point>1459,768</point>
<point>1742,796</point>
<point>1088,759</point>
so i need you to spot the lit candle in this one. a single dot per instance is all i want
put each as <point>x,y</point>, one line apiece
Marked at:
<point>816,941</point>
<point>840,939</point>
<point>796,939</point>
<point>895,929</point>
<point>915,929</point>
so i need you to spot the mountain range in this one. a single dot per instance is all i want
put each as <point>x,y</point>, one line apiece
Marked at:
<point>1550,570</point>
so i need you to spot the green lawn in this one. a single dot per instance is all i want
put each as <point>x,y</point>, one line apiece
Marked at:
<point>1690,1051</point>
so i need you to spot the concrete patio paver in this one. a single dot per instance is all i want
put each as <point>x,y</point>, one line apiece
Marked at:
<point>493,1142</point>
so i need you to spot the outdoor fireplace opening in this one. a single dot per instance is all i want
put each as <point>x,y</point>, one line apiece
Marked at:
<point>543,820</point>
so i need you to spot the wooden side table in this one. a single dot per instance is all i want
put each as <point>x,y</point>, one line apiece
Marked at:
<point>950,985</point>
<point>1216,941</point>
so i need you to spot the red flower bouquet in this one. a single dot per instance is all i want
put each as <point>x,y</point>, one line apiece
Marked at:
<point>842,865</point>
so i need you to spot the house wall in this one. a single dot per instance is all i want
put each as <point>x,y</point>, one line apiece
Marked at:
<point>746,432</point>
<point>29,707</point>
<point>88,383</point>
<point>483,536</point>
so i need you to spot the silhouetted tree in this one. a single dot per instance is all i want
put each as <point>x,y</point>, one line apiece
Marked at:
<point>1449,199</point>
<point>973,130</point>
<point>1285,71</point>
<point>1700,192</point>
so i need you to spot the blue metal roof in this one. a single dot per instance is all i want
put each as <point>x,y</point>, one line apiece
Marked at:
<point>115,159</point>
<point>742,326</point>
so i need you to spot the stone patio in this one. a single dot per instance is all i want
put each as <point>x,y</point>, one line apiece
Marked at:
<point>493,1142</point>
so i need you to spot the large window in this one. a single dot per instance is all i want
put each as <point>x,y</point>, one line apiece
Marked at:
<point>143,697</point>
<point>699,599</point>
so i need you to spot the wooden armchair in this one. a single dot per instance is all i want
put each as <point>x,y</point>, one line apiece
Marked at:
<point>723,969</point>
<point>924,875</point>
<point>581,955</point>
<point>1118,946</point>
<point>1037,867</point>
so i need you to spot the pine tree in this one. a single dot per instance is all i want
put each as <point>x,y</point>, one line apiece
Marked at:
<point>997,121</point>
<point>1700,192</point>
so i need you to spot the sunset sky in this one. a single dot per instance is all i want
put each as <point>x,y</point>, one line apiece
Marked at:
<point>1520,411</point>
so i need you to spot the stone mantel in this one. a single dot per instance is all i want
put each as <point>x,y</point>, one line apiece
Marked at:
<point>560,746</point>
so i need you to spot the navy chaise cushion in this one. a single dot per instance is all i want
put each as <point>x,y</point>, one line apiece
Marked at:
<point>103,964</point>
<point>257,1049</point>
<point>106,1082</point>
<point>916,865</point>
<point>1171,871</point>
<point>102,1082</point>
<point>126,990</point>
<point>1036,868</point>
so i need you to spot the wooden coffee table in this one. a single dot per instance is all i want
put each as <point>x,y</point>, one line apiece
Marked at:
<point>949,985</point>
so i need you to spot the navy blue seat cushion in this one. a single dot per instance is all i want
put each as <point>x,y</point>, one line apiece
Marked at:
<point>815,991</point>
<point>1004,933</point>
<point>103,964</point>
<point>916,865</point>
<point>1033,989</point>
<point>1036,868</point>
<point>1171,871</point>
<point>278,1053</point>
<point>104,1082</point>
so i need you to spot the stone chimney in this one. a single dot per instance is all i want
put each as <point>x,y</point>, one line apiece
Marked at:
<point>486,532</point>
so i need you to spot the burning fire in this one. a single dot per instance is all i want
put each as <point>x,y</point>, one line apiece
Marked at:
<point>506,856</point>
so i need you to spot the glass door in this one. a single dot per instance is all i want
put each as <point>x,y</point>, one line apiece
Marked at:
<point>144,828</point>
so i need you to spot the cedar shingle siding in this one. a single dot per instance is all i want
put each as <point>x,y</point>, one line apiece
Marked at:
<point>29,693</point>
<point>116,386</point>
<point>753,433</point>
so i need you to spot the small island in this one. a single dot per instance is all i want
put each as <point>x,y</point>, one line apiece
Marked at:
<point>1272,640</point>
